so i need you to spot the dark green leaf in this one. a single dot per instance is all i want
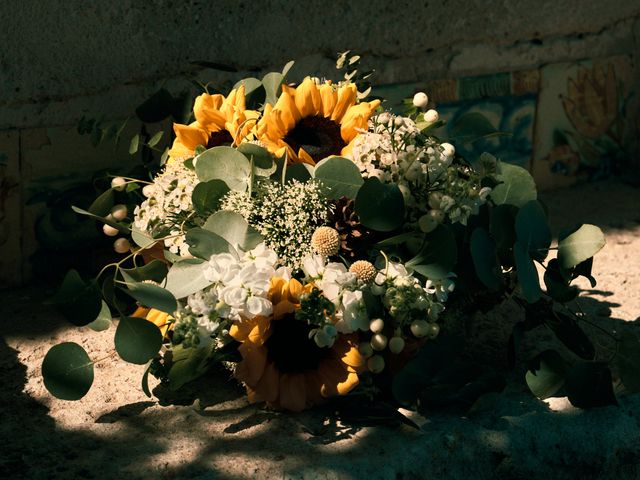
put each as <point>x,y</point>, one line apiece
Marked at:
<point>152,296</point>
<point>188,364</point>
<point>569,332</point>
<point>121,228</point>
<point>206,196</point>
<point>516,186</point>
<point>134,144</point>
<point>533,231</point>
<point>145,379</point>
<point>156,108</point>
<point>438,254</point>
<point>155,270</point>
<point>581,245</point>
<point>546,374</point>
<point>583,269</point>
<point>250,85</point>
<point>471,127</point>
<point>203,243</point>
<point>137,340</point>
<point>103,320</point>
<point>380,206</point>
<point>153,141</point>
<point>67,371</point>
<point>142,239</point>
<point>272,85</point>
<point>102,205</point>
<point>485,259</point>
<point>502,227</point>
<point>339,176</point>
<point>589,385</point>
<point>80,302</point>
<point>557,284</point>
<point>527,274</point>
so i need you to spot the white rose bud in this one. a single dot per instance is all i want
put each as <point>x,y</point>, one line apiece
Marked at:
<point>420,100</point>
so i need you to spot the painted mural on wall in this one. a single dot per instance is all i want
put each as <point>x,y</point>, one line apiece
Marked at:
<point>586,128</point>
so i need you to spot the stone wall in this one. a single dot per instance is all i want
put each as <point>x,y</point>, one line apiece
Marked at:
<point>511,62</point>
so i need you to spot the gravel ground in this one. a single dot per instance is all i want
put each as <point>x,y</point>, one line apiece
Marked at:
<point>115,430</point>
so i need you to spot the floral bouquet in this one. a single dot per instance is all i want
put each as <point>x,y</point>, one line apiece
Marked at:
<point>316,245</point>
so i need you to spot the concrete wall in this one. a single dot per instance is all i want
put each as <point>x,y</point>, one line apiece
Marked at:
<point>511,60</point>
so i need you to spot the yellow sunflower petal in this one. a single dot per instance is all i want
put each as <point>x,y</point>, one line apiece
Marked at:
<point>329,97</point>
<point>286,113</point>
<point>304,157</point>
<point>190,136</point>
<point>307,98</point>
<point>347,95</point>
<point>251,369</point>
<point>267,388</point>
<point>206,111</point>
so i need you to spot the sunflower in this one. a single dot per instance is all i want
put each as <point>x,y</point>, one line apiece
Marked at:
<point>162,320</point>
<point>219,121</point>
<point>282,366</point>
<point>312,121</point>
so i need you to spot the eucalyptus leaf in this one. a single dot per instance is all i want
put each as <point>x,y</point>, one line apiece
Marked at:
<point>339,176</point>
<point>152,296</point>
<point>272,83</point>
<point>527,274</point>
<point>250,85</point>
<point>155,270</point>
<point>516,186</point>
<point>234,229</point>
<point>204,243</point>
<point>485,259</point>
<point>102,205</point>
<point>579,246</point>
<point>153,141</point>
<point>226,164</point>
<point>206,196</point>
<point>103,320</point>
<point>380,206</point>
<point>262,158</point>
<point>188,364</point>
<point>134,144</point>
<point>438,255</point>
<point>571,335</point>
<point>532,230</point>
<point>67,371</point>
<point>121,228</point>
<point>145,379</point>
<point>80,302</point>
<point>546,374</point>
<point>137,340</point>
<point>140,238</point>
<point>186,277</point>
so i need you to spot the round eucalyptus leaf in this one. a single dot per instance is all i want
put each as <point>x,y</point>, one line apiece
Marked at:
<point>579,246</point>
<point>262,158</point>
<point>527,274</point>
<point>204,243</point>
<point>485,259</point>
<point>226,164</point>
<point>438,254</point>
<point>516,186</point>
<point>137,340</point>
<point>380,206</point>
<point>67,371</point>
<point>546,374</point>
<point>339,176</point>
<point>532,230</point>
<point>206,196</point>
<point>589,385</point>
<point>234,229</point>
<point>79,301</point>
<point>152,296</point>
<point>103,320</point>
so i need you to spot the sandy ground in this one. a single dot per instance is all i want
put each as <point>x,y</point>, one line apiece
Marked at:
<point>116,431</point>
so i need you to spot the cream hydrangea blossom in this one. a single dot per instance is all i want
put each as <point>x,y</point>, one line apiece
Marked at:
<point>168,205</point>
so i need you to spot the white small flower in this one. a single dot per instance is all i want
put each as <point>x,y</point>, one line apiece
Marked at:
<point>448,150</point>
<point>441,288</point>
<point>431,116</point>
<point>258,306</point>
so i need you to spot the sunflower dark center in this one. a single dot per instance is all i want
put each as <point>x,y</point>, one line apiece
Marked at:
<point>319,136</point>
<point>290,347</point>
<point>220,138</point>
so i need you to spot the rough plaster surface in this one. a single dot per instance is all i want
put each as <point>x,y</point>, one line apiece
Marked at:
<point>116,431</point>
<point>60,60</point>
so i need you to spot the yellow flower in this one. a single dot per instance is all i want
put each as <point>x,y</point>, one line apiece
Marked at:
<point>219,121</point>
<point>282,366</point>
<point>312,121</point>
<point>162,320</point>
<point>592,101</point>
